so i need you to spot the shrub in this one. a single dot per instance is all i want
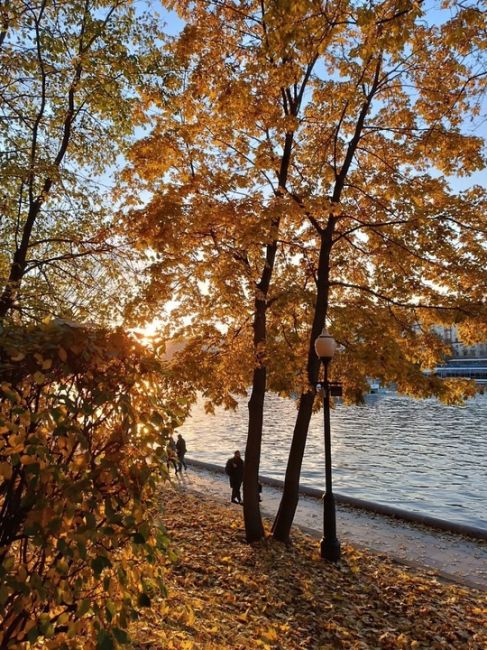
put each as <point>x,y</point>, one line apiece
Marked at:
<point>84,414</point>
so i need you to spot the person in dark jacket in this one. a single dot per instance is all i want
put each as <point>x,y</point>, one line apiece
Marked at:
<point>171,454</point>
<point>181,451</point>
<point>234,469</point>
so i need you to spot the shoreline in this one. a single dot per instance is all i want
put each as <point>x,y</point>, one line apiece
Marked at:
<point>434,470</point>
<point>452,556</point>
<point>370,506</point>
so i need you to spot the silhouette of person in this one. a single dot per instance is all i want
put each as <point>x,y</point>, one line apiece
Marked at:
<point>171,454</point>
<point>181,451</point>
<point>234,470</point>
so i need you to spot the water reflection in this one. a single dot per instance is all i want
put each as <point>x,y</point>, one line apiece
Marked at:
<point>417,455</point>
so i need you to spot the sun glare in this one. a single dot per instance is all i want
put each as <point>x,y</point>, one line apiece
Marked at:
<point>148,333</point>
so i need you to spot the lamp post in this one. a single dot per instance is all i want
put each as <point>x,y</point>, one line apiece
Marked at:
<point>325,346</point>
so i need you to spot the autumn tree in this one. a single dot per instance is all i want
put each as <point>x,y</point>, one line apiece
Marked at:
<point>396,249</point>
<point>71,78</point>
<point>363,228</point>
<point>220,185</point>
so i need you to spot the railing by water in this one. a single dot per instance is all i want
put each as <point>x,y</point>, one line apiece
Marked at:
<point>378,508</point>
<point>466,368</point>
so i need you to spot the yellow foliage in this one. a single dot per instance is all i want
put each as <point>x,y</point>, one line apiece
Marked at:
<point>301,601</point>
<point>81,447</point>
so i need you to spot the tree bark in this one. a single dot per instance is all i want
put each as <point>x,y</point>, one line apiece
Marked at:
<point>254,529</point>
<point>289,500</point>
<point>18,266</point>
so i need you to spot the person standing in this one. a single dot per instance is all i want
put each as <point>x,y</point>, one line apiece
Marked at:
<point>181,451</point>
<point>171,454</point>
<point>234,470</point>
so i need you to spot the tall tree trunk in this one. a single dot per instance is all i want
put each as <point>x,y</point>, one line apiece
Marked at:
<point>254,529</point>
<point>18,266</point>
<point>289,500</point>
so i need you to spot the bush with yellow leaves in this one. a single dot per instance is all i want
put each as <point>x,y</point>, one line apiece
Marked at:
<point>84,414</point>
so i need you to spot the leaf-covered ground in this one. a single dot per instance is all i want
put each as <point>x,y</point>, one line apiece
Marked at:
<point>223,593</point>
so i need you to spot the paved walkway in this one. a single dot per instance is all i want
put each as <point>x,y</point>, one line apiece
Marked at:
<point>451,556</point>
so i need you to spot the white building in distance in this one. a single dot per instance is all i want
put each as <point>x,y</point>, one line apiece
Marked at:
<point>461,351</point>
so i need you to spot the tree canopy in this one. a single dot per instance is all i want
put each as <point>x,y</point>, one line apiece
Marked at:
<point>373,151</point>
<point>72,77</point>
<point>304,169</point>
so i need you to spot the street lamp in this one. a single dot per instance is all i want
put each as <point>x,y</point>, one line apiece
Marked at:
<point>325,346</point>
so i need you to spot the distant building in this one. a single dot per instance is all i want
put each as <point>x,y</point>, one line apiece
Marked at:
<point>461,351</point>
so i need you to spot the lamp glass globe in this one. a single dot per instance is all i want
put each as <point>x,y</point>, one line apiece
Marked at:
<point>325,345</point>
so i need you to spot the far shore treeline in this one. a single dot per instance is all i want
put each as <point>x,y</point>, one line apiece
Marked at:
<point>234,175</point>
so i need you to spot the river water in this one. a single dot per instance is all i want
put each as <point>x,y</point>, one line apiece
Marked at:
<point>418,455</point>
